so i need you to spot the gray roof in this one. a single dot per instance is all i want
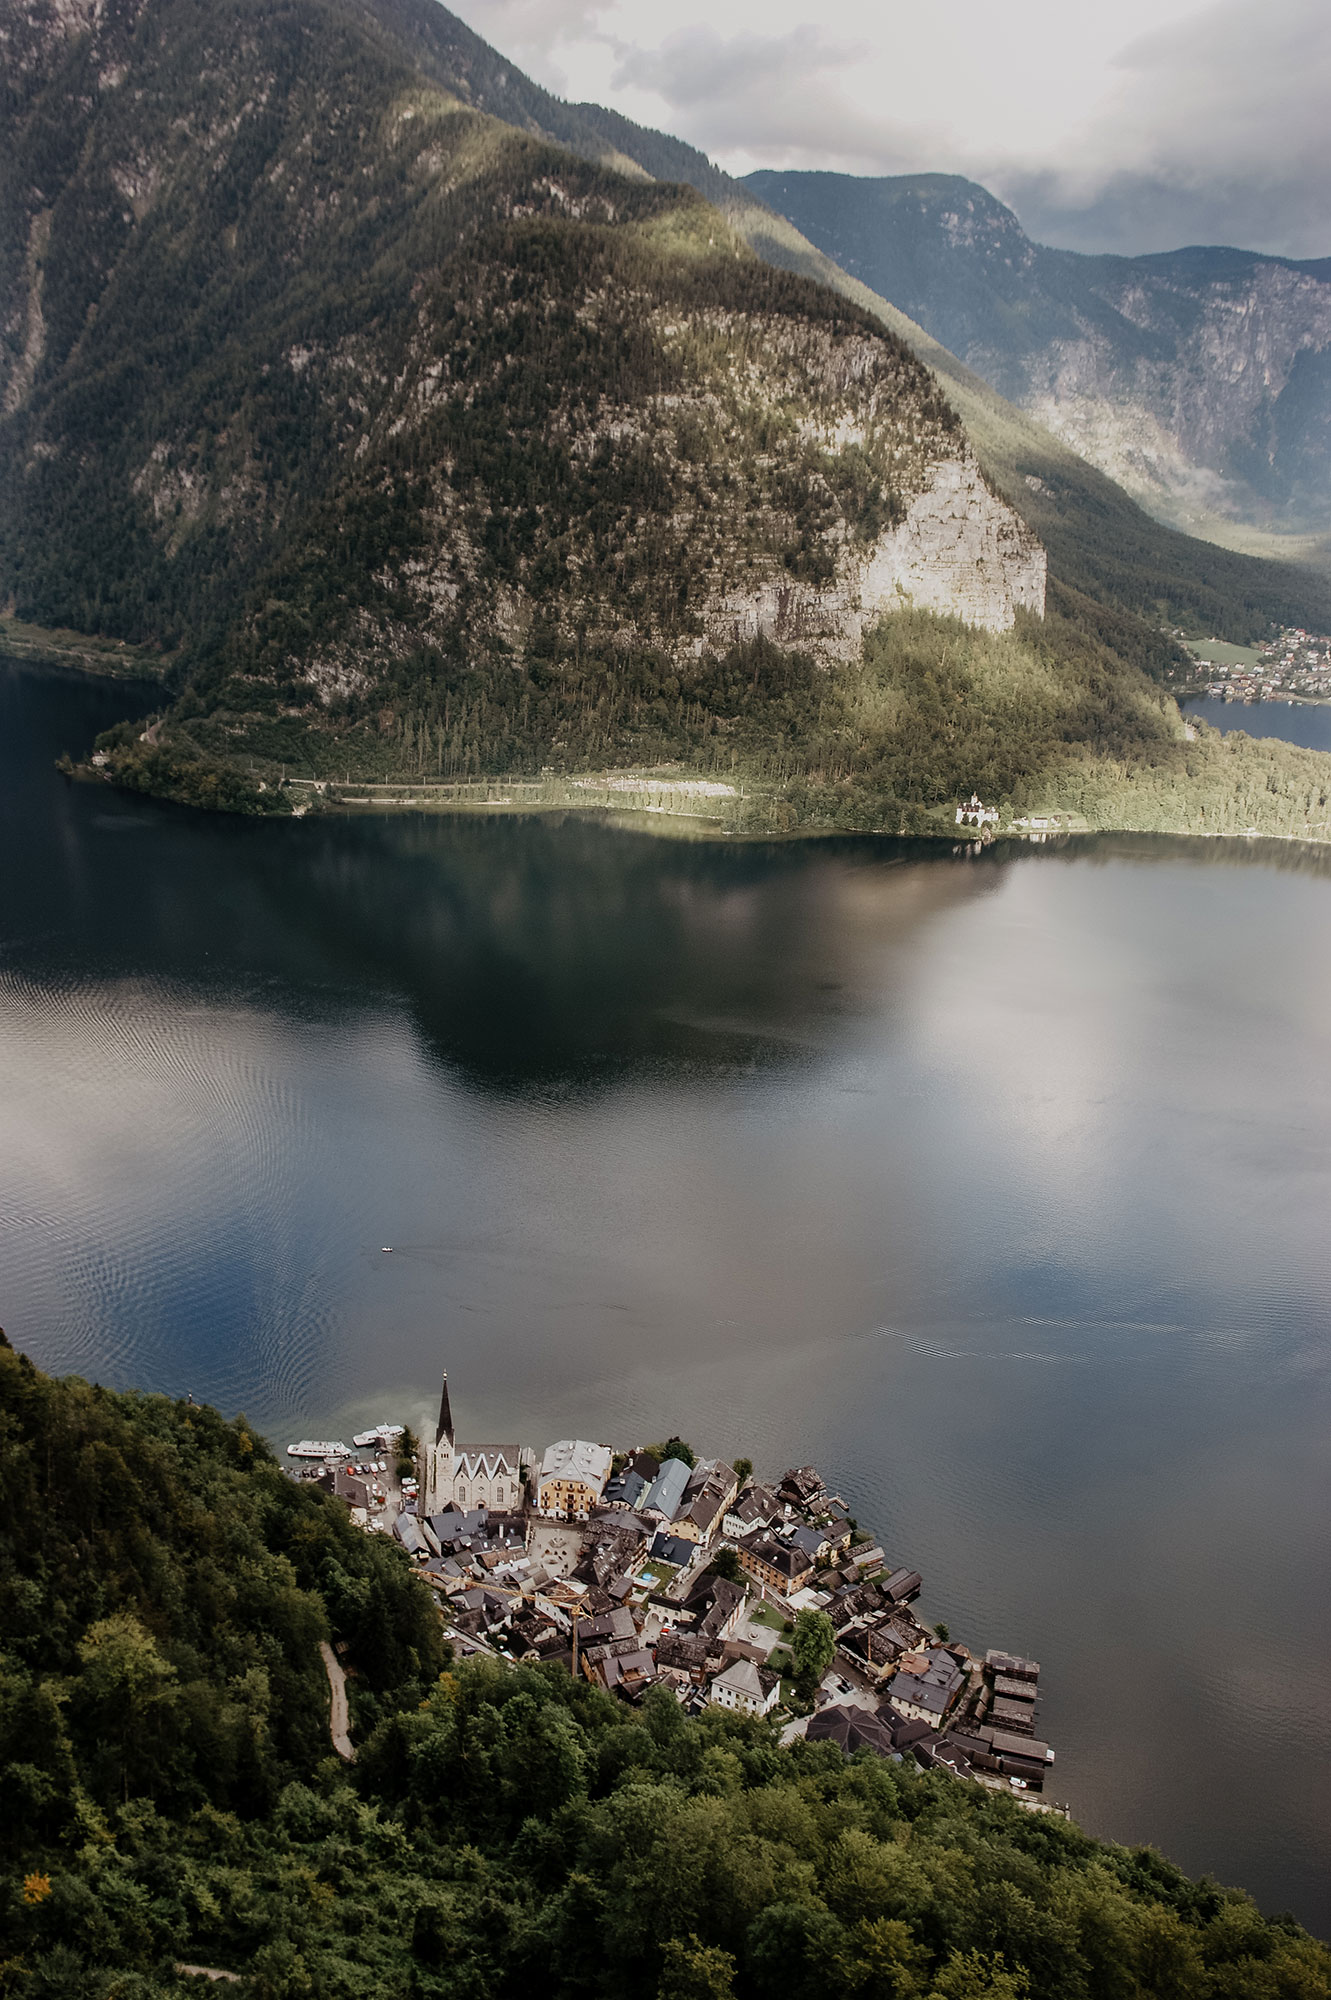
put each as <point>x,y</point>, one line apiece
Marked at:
<point>667,1489</point>
<point>741,1677</point>
<point>407,1530</point>
<point>575,1458</point>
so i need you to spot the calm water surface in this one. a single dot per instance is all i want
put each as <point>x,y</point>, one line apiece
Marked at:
<point>1305,722</point>
<point>999,1187</point>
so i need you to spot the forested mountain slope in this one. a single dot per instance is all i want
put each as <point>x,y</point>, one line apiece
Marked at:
<point>1199,378</point>
<point>172,1800</point>
<point>429,445</point>
<point>320,367</point>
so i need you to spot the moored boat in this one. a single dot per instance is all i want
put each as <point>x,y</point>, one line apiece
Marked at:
<point>318,1448</point>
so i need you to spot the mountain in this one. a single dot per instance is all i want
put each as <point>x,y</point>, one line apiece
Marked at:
<point>430,433</point>
<point>174,1811</point>
<point>1199,379</point>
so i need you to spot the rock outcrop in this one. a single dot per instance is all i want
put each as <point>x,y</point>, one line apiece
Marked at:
<point>959,552</point>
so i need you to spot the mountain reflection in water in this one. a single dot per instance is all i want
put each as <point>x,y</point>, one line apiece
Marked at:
<point>998,1186</point>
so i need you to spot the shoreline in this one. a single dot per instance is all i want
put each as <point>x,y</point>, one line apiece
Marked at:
<point>107,659</point>
<point>652,1566</point>
<point>676,822</point>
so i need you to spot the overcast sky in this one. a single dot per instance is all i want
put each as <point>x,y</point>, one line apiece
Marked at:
<point>1139,125</point>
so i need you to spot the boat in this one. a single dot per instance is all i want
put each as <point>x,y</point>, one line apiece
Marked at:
<point>381,1432</point>
<point>318,1448</point>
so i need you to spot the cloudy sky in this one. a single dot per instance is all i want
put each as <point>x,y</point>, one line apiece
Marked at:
<point>1137,126</point>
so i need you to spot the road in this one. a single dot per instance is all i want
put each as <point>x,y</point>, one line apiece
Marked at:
<point>338,1716</point>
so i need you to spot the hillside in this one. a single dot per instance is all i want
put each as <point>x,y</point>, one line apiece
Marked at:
<point>431,448</point>
<point>173,1800</point>
<point>1199,379</point>
<point>1100,542</point>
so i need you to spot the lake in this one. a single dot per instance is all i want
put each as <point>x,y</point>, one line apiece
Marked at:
<point>996,1185</point>
<point>1305,722</point>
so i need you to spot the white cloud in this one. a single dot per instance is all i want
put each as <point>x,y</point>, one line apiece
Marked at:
<point>1136,127</point>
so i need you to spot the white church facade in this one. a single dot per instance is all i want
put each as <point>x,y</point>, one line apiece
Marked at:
<point>467,1476</point>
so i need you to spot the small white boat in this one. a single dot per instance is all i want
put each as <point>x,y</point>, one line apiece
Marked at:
<point>318,1448</point>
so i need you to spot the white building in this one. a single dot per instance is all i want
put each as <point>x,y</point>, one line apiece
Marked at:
<point>491,1478</point>
<point>572,1478</point>
<point>741,1686</point>
<point>454,1475</point>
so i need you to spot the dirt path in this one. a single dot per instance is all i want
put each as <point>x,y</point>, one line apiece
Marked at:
<point>338,1716</point>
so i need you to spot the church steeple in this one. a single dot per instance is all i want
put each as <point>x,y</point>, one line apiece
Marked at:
<point>444,1431</point>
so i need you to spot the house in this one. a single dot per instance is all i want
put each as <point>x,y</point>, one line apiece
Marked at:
<point>746,1687</point>
<point>664,1497</point>
<point>719,1605</point>
<point>711,1487</point>
<point>856,1603</point>
<point>668,1548</point>
<point>866,1556</point>
<point>756,1507</point>
<point>803,1487</point>
<point>454,1475</point>
<point>612,1546</point>
<point>562,1600</point>
<point>811,1542</point>
<point>1012,1689</point>
<point>926,1685</point>
<point>851,1729</point>
<point>904,1585</point>
<point>683,1653</point>
<point>1018,1717</point>
<point>774,1564</point>
<point>408,1531</point>
<point>572,1478</point>
<point>628,1674</point>
<point>1009,1665</point>
<point>616,1624</point>
<point>625,1488</point>
<point>870,1652</point>
<point>1021,1757</point>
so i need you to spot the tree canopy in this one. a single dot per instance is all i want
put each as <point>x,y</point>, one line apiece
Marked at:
<point>172,1797</point>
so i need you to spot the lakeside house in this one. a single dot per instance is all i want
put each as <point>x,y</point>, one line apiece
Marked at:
<point>572,1478</point>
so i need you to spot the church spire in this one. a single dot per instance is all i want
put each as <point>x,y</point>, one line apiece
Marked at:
<point>445,1429</point>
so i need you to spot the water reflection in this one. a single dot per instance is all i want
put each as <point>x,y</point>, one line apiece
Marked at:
<point>998,1185</point>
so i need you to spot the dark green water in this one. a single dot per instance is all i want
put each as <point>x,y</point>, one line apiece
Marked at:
<point>997,1186</point>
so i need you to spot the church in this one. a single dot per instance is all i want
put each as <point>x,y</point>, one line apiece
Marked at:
<point>467,1476</point>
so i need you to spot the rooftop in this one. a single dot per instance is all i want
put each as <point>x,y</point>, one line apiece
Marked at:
<point>574,1458</point>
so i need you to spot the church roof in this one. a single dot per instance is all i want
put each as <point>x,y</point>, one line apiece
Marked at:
<point>445,1426</point>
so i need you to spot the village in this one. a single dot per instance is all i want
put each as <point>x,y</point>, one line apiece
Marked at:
<point>1294,666</point>
<point>657,1567</point>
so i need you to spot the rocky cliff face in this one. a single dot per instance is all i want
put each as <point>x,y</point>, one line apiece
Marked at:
<point>1201,380</point>
<point>959,551</point>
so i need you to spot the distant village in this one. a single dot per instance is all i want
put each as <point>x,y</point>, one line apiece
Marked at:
<point>656,1567</point>
<point>1294,666</point>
